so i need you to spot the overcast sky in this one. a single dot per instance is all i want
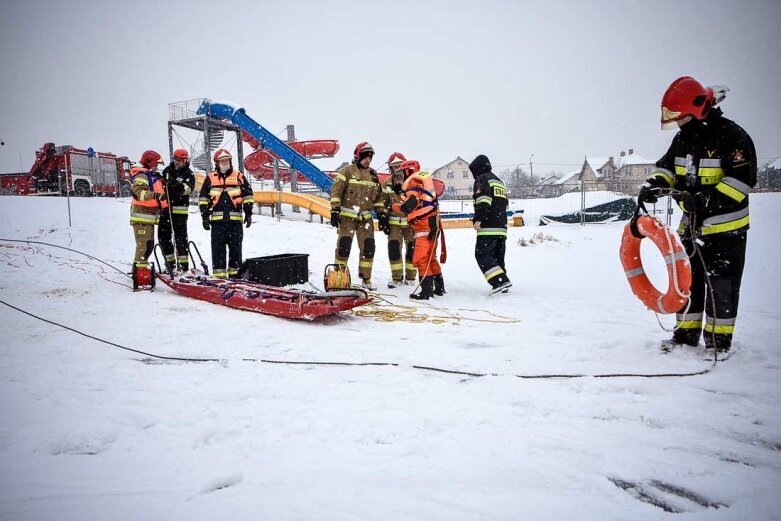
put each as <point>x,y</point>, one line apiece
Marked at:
<point>434,80</point>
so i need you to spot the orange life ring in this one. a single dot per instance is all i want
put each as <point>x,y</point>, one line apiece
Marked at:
<point>679,271</point>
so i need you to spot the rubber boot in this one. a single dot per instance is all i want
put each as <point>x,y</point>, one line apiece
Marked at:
<point>690,337</point>
<point>721,342</point>
<point>439,285</point>
<point>500,284</point>
<point>426,289</point>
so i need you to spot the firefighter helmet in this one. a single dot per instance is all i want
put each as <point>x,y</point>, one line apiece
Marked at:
<point>149,158</point>
<point>220,154</point>
<point>181,154</point>
<point>685,97</point>
<point>362,149</point>
<point>409,167</point>
<point>396,158</point>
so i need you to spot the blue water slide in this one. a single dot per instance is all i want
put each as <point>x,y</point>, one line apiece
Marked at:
<point>296,161</point>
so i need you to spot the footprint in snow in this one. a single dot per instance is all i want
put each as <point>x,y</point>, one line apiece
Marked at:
<point>222,482</point>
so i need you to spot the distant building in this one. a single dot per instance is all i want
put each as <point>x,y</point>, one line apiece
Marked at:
<point>567,183</point>
<point>457,178</point>
<point>633,170</point>
<point>769,177</point>
<point>597,173</point>
<point>547,187</point>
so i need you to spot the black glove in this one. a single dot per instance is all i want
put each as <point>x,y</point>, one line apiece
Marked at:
<point>160,196</point>
<point>382,222</point>
<point>433,227</point>
<point>248,219</point>
<point>335,217</point>
<point>206,225</point>
<point>175,190</point>
<point>648,194</point>
<point>396,188</point>
<point>693,202</point>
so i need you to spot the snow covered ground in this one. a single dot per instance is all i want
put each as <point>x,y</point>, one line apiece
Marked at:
<point>90,431</point>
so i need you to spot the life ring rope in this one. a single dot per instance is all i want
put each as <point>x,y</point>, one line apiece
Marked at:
<point>676,260</point>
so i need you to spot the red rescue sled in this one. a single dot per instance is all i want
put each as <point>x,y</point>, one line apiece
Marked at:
<point>269,300</point>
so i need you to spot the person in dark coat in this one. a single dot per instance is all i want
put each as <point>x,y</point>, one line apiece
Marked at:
<point>179,183</point>
<point>490,222</point>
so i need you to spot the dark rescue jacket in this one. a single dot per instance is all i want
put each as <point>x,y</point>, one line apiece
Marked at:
<point>490,199</point>
<point>716,160</point>
<point>179,185</point>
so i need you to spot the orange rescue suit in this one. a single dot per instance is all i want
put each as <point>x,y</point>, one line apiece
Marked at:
<point>419,203</point>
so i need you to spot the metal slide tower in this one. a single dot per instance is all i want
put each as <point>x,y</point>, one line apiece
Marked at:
<point>185,114</point>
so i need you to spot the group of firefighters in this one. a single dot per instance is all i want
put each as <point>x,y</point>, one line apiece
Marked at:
<point>408,213</point>
<point>163,198</point>
<point>405,204</point>
<point>709,169</point>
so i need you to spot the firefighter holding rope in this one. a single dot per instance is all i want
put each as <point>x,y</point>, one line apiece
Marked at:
<point>712,166</point>
<point>419,204</point>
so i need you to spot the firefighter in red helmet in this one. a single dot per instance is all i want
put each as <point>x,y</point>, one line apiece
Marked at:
<point>356,192</point>
<point>712,166</point>
<point>147,201</point>
<point>399,233</point>
<point>225,201</point>
<point>179,183</point>
<point>419,204</point>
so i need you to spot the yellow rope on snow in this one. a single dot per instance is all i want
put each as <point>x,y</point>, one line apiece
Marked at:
<point>384,310</point>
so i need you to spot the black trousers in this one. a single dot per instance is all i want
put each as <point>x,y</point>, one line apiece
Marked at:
<point>489,253</point>
<point>226,235</point>
<point>724,258</point>
<point>173,226</point>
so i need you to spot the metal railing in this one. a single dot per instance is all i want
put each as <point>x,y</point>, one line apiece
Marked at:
<point>579,203</point>
<point>184,109</point>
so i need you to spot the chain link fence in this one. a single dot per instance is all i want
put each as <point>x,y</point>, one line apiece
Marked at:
<point>587,202</point>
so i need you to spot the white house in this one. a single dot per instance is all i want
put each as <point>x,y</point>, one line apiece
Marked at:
<point>457,178</point>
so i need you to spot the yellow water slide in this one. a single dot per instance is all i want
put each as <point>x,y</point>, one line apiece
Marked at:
<point>316,205</point>
<point>322,207</point>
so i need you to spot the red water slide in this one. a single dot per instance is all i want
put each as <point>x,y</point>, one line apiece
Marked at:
<point>260,164</point>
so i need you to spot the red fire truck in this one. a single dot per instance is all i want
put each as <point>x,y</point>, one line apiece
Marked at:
<point>80,172</point>
<point>16,184</point>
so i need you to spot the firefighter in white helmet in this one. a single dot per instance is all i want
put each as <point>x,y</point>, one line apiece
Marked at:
<point>225,202</point>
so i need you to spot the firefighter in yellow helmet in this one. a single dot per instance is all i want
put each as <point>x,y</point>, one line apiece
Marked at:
<point>225,201</point>
<point>355,194</point>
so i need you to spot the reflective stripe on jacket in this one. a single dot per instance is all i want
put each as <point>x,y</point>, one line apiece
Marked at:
<point>223,196</point>
<point>180,183</point>
<point>356,192</point>
<point>144,208</point>
<point>390,197</point>
<point>715,160</point>
<point>490,200</point>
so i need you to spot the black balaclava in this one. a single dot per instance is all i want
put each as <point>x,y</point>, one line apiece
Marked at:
<point>363,155</point>
<point>480,165</point>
